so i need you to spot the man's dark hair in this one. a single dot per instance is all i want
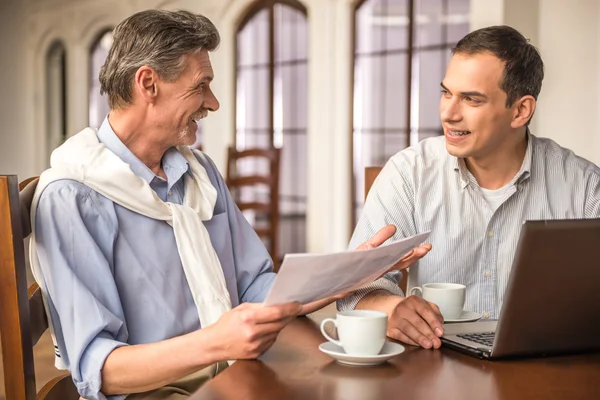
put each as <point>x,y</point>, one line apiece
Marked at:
<point>523,65</point>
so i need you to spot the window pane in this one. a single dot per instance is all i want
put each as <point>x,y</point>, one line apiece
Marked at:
<point>395,87</point>
<point>290,34</point>
<point>432,66</point>
<point>294,82</point>
<point>429,17</point>
<point>253,102</point>
<point>369,91</point>
<point>457,20</point>
<point>253,40</point>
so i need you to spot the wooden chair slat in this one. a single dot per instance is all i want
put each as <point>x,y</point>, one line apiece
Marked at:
<point>256,206</point>
<point>22,316</point>
<point>17,349</point>
<point>236,182</point>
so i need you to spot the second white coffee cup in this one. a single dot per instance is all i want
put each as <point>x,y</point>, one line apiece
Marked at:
<point>449,297</point>
<point>361,332</point>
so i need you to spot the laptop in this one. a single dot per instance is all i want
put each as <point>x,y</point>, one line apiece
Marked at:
<point>552,300</point>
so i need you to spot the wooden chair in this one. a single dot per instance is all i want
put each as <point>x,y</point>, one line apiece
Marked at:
<point>370,175</point>
<point>270,209</point>
<point>22,315</point>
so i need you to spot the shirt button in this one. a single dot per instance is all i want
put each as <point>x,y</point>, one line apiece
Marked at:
<point>170,193</point>
<point>486,315</point>
<point>488,273</point>
<point>491,233</point>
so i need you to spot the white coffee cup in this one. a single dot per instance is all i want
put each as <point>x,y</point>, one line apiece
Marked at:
<point>449,297</point>
<point>361,332</point>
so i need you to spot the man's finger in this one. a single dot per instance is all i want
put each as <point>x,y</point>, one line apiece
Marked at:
<point>397,334</point>
<point>417,253</point>
<point>276,313</point>
<point>271,328</point>
<point>433,317</point>
<point>421,325</point>
<point>381,236</point>
<point>409,259</point>
<point>406,327</point>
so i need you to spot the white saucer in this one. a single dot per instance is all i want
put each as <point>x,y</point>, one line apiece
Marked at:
<point>389,350</point>
<point>466,316</point>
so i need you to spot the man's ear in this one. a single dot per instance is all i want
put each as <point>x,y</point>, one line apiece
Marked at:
<point>145,84</point>
<point>523,111</point>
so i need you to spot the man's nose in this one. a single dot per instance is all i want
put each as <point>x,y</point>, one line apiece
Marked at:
<point>450,109</point>
<point>210,101</point>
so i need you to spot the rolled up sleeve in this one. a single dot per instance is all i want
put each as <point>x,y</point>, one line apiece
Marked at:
<point>74,238</point>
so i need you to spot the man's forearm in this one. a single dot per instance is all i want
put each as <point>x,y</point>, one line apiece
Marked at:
<point>139,368</point>
<point>380,300</point>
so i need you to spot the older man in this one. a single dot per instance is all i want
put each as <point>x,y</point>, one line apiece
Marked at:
<point>137,242</point>
<point>474,186</point>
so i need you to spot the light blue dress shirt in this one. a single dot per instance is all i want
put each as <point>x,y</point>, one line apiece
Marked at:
<point>114,277</point>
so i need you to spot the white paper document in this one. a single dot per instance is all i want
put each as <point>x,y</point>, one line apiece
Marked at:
<point>309,277</point>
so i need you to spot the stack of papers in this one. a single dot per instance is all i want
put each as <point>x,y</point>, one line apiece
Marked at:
<point>309,277</point>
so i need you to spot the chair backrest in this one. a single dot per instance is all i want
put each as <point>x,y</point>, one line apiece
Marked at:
<point>22,316</point>
<point>236,181</point>
<point>370,175</point>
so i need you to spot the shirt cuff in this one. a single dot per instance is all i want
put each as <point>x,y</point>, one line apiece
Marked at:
<point>91,365</point>
<point>389,283</point>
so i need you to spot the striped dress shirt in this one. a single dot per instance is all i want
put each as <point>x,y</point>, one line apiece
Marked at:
<point>424,188</point>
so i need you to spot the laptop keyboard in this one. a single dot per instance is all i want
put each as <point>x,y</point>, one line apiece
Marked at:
<point>485,338</point>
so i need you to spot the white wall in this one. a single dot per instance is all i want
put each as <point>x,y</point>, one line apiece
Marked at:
<point>565,31</point>
<point>569,106</point>
<point>17,108</point>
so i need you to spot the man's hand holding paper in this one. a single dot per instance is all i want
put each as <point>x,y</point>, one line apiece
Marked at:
<point>317,280</point>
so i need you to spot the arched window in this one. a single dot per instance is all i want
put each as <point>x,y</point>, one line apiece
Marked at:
<point>271,106</point>
<point>98,103</point>
<point>56,98</point>
<point>401,51</point>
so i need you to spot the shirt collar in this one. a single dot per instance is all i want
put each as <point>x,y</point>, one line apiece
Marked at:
<point>458,164</point>
<point>525,170</point>
<point>174,163</point>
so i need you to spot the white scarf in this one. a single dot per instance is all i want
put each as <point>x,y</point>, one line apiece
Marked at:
<point>84,159</point>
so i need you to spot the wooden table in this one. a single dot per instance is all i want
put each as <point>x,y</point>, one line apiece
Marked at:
<point>294,368</point>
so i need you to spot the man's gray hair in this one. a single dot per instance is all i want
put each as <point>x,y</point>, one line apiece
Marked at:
<point>159,39</point>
